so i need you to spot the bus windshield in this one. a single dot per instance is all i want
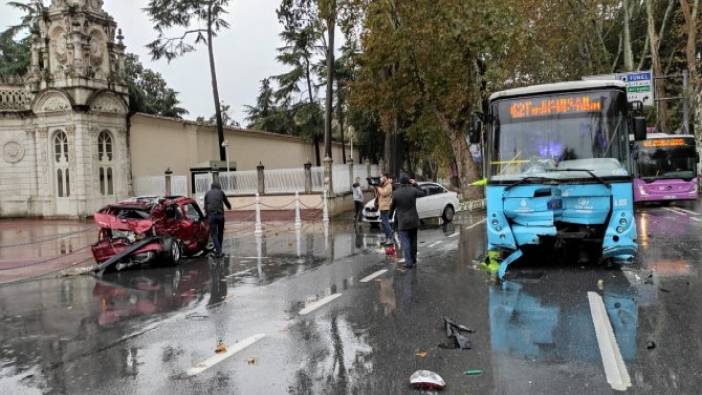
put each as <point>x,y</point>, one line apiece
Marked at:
<point>673,158</point>
<point>552,135</point>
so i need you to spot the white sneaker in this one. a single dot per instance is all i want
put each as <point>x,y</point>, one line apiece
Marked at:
<point>402,260</point>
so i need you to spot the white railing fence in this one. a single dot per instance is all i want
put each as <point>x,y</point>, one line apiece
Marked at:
<point>156,185</point>
<point>317,179</point>
<point>284,180</point>
<point>341,178</point>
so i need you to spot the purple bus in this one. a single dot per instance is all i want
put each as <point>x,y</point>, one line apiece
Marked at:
<point>666,168</point>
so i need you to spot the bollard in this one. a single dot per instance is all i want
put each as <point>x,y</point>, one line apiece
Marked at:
<point>325,209</point>
<point>298,220</point>
<point>259,230</point>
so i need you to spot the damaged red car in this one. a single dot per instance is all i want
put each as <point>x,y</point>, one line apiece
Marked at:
<point>143,230</point>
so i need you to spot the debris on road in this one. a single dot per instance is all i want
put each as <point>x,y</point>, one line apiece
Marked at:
<point>600,284</point>
<point>251,361</point>
<point>421,354</point>
<point>427,380</point>
<point>664,290</point>
<point>458,335</point>
<point>474,372</point>
<point>650,345</point>
<point>220,347</point>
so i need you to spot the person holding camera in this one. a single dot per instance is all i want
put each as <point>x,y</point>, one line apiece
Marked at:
<point>383,194</point>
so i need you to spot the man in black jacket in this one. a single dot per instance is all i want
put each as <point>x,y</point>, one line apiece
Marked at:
<point>404,202</point>
<point>215,200</point>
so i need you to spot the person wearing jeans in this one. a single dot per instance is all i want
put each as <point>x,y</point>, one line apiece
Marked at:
<point>404,202</point>
<point>384,196</point>
<point>215,200</point>
<point>357,200</point>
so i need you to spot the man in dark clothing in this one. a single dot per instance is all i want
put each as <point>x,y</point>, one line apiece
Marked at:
<point>215,200</point>
<point>404,202</point>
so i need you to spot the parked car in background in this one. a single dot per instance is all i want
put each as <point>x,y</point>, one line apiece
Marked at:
<point>146,229</point>
<point>438,203</point>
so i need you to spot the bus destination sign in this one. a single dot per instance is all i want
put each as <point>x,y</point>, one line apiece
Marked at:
<point>540,107</point>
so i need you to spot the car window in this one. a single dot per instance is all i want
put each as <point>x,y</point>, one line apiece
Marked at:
<point>426,190</point>
<point>436,189</point>
<point>192,212</point>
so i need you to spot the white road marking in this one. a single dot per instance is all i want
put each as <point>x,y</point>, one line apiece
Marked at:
<point>373,275</point>
<point>315,305</point>
<point>454,234</point>
<point>685,211</point>
<point>482,221</point>
<point>217,358</point>
<point>434,244</point>
<point>674,211</point>
<point>612,361</point>
<point>240,273</point>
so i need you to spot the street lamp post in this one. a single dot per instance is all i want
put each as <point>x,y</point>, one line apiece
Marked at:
<point>225,145</point>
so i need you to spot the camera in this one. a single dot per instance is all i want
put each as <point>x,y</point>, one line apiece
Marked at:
<point>373,181</point>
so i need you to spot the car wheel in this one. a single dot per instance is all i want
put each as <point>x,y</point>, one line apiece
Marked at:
<point>448,214</point>
<point>172,251</point>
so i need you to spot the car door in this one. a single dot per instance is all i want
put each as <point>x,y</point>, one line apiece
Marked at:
<point>191,228</point>
<point>424,203</point>
<point>434,200</point>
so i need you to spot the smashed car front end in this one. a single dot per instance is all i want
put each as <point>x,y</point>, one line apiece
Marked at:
<point>119,235</point>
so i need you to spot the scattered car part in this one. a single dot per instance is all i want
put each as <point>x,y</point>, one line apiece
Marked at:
<point>427,380</point>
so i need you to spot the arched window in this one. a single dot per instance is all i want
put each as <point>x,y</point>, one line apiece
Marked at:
<point>63,188</point>
<point>61,146</point>
<point>105,147</point>
<point>105,156</point>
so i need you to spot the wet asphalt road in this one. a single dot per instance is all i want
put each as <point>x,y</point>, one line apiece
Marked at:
<point>141,331</point>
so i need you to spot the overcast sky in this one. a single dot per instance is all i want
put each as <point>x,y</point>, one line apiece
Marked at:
<point>245,54</point>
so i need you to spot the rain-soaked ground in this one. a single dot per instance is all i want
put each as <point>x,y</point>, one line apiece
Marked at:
<point>315,327</point>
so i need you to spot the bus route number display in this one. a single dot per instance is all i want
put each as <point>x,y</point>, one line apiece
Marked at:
<point>663,143</point>
<point>540,107</point>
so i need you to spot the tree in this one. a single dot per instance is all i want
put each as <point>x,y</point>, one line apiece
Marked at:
<point>15,55</point>
<point>148,91</point>
<point>265,115</point>
<point>328,13</point>
<point>654,39</point>
<point>300,36</point>
<point>227,119</point>
<point>201,19</point>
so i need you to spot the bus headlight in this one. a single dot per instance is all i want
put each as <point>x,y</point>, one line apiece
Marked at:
<point>620,229</point>
<point>623,222</point>
<point>642,192</point>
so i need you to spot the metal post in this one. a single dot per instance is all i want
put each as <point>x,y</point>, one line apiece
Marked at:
<point>169,188</point>
<point>351,180</point>
<point>686,104</point>
<point>308,177</point>
<point>259,230</point>
<point>325,209</point>
<point>298,220</point>
<point>261,179</point>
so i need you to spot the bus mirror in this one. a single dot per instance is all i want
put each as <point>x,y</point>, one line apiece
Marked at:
<point>636,107</point>
<point>474,132</point>
<point>639,128</point>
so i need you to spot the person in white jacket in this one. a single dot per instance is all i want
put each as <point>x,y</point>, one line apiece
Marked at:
<point>357,199</point>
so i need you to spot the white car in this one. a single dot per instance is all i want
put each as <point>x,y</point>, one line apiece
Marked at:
<point>437,203</point>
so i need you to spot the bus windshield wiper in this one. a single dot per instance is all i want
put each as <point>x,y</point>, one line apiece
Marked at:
<point>530,180</point>
<point>590,172</point>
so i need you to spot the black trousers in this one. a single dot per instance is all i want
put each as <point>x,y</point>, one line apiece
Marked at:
<point>358,206</point>
<point>216,222</point>
<point>408,238</point>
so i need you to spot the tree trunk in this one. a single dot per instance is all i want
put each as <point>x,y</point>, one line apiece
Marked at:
<point>340,118</point>
<point>215,91</point>
<point>318,160</point>
<point>468,171</point>
<point>330,86</point>
<point>691,30</point>
<point>657,68</point>
<point>387,152</point>
<point>628,54</point>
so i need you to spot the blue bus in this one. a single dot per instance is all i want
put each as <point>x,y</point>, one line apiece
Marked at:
<point>559,172</point>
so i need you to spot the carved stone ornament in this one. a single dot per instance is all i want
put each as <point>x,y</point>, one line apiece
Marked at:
<point>54,104</point>
<point>109,104</point>
<point>13,152</point>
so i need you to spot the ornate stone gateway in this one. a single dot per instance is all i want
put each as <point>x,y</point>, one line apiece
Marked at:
<point>63,126</point>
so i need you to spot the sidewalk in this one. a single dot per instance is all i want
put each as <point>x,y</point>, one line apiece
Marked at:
<point>30,248</point>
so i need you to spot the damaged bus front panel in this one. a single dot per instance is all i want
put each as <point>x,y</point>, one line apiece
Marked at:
<point>559,170</point>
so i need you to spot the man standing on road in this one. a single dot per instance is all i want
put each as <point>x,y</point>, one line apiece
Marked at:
<point>357,200</point>
<point>215,200</point>
<point>404,202</point>
<point>384,196</point>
